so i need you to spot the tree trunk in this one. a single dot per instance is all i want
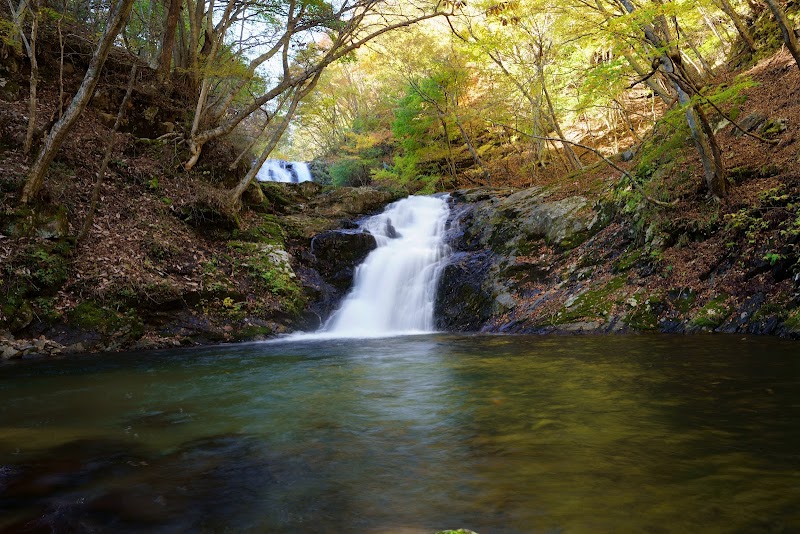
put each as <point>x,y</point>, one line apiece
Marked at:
<point>739,24</point>
<point>61,128</point>
<point>787,30</point>
<point>706,67</point>
<point>87,223</point>
<point>474,153</point>
<point>344,43</point>
<point>209,59</point>
<point>34,78</point>
<point>702,134</point>
<point>168,41</point>
<point>574,162</point>
<point>451,164</point>
<point>711,26</point>
<point>61,67</point>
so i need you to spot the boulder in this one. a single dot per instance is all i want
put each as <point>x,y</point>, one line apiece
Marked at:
<point>750,123</point>
<point>528,216</point>
<point>464,298</point>
<point>337,253</point>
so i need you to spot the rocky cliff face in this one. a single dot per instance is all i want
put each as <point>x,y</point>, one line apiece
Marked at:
<point>528,262</point>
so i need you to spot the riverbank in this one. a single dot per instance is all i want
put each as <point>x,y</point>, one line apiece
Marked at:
<point>632,243</point>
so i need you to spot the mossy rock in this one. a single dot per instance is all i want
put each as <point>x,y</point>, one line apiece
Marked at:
<point>593,303</point>
<point>792,322</point>
<point>307,226</point>
<point>630,259</point>
<point>268,269</point>
<point>38,268</point>
<point>277,196</point>
<point>645,314</point>
<point>714,313</point>
<point>267,230</point>
<point>16,313</point>
<point>682,298</point>
<point>43,223</point>
<point>772,128</point>
<point>252,332</point>
<point>109,322</point>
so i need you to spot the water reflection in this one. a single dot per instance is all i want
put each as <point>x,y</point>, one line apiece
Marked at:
<point>498,434</point>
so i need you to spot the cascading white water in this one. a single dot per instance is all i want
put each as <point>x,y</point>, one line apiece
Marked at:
<point>394,289</point>
<point>276,170</point>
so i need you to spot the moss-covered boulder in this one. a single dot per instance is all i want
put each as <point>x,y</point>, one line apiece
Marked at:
<point>42,223</point>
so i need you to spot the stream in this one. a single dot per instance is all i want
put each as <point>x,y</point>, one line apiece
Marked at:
<point>408,434</point>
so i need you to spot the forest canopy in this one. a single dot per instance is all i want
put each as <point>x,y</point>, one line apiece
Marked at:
<point>418,93</point>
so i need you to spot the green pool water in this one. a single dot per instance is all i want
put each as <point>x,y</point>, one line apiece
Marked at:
<point>414,434</point>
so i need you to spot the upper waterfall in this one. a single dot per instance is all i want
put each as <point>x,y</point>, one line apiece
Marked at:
<point>276,170</point>
<point>394,289</point>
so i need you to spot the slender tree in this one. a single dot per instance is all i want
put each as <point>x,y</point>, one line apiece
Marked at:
<point>33,184</point>
<point>738,23</point>
<point>659,35</point>
<point>787,30</point>
<point>168,40</point>
<point>87,223</point>
<point>349,28</point>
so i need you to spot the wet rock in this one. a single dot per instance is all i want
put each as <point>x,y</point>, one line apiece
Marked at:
<point>773,127</point>
<point>9,352</point>
<point>338,252</point>
<point>464,298</point>
<point>509,224</point>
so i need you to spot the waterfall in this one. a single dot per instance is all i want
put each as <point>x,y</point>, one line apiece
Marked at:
<point>394,289</point>
<point>276,170</point>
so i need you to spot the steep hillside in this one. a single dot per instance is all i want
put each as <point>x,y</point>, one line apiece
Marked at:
<point>594,253</point>
<point>164,261</point>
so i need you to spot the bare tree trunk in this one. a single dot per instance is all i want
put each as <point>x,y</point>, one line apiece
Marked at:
<point>711,26</point>
<point>738,23</point>
<point>702,134</point>
<point>168,41</point>
<point>474,153</point>
<point>87,223</point>
<point>344,43</point>
<point>61,66</point>
<point>451,164</point>
<point>31,47</point>
<point>250,145</point>
<point>574,162</point>
<point>267,121</point>
<point>209,59</point>
<point>706,66</point>
<point>787,30</point>
<point>61,128</point>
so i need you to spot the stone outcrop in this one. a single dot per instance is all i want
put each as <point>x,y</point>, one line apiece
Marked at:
<point>489,230</point>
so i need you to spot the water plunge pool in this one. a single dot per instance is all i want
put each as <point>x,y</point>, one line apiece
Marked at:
<point>412,434</point>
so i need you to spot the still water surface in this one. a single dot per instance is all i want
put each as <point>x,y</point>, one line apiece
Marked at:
<point>496,434</point>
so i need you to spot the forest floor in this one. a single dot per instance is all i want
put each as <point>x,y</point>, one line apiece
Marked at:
<point>162,265</point>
